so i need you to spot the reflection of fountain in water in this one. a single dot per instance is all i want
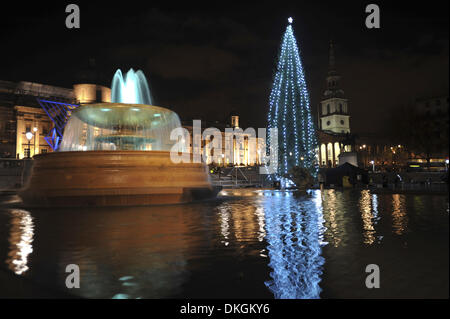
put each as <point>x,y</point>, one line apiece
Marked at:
<point>122,252</point>
<point>21,239</point>
<point>294,235</point>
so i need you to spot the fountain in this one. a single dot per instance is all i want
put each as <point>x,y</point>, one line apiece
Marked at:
<point>117,154</point>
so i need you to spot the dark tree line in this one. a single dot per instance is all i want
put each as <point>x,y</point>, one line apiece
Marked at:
<point>424,133</point>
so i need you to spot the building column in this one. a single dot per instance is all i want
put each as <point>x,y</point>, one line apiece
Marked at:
<point>19,135</point>
<point>334,156</point>
<point>320,155</point>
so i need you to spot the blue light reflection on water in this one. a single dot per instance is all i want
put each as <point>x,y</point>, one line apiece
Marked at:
<point>294,236</point>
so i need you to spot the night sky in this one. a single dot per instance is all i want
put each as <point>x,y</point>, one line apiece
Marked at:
<point>205,61</point>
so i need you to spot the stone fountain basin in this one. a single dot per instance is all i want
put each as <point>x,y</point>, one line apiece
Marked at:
<point>114,178</point>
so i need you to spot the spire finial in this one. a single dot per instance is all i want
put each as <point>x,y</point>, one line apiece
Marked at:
<point>331,57</point>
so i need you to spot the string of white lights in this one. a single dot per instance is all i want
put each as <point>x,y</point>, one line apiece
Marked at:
<point>289,110</point>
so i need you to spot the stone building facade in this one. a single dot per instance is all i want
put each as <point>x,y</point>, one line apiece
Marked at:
<point>20,113</point>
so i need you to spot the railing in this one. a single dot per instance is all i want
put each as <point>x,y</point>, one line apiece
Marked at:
<point>428,187</point>
<point>237,177</point>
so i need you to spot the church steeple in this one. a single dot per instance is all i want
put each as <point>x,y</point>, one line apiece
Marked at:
<point>333,110</point>
<point>333,80</point>
<point>331,60</point>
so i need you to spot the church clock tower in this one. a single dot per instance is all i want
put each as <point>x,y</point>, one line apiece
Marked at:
<point>333,109</point>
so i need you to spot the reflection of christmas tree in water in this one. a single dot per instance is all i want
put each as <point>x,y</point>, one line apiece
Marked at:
<point>290,111</point>
<point>294,235</point>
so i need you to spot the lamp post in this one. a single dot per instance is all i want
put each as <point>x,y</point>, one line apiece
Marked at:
<point>373,165</point>
<point>35,129</point>
<point>29,136</point>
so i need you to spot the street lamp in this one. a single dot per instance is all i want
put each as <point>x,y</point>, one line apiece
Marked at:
<point>29,136</point>
<point>373,165</point>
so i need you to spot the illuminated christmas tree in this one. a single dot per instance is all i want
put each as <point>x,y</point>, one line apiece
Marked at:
<point>290,111</point>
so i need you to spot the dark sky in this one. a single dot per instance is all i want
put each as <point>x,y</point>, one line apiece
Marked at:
<point>204,61</point>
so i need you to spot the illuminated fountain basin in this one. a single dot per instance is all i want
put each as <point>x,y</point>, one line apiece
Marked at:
<point>118,126</point>
<point>116,154</point>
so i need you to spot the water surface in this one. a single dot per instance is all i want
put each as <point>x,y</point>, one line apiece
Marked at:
<point>246,244</point>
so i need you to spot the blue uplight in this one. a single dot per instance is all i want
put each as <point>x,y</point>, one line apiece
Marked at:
<point>59,114</point>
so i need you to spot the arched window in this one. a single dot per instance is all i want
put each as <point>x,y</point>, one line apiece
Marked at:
<point>328,108</point>
<point>340,107</point>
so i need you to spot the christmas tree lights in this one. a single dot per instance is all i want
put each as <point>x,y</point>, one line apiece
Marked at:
<point>290,112</point>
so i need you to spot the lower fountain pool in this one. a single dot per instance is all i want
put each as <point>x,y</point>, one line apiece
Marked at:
<point>245,244</point>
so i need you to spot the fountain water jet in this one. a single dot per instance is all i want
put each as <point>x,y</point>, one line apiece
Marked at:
<point>117,154</point>
<point>134,89</point>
